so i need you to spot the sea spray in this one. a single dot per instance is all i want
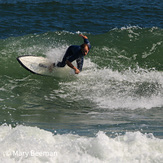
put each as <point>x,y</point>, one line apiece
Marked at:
<point>26,144</point>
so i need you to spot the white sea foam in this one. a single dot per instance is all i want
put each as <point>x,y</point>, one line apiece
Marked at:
<point>130,89</point>
<point>56,54</point>
<point>31,144</point>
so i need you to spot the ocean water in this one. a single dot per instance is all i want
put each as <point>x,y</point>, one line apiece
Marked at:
<point>109,113</point>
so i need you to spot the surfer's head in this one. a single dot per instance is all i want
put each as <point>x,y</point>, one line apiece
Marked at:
<point>85,49</point>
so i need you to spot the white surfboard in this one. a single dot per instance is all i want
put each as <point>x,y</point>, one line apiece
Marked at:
<point>40,65</point>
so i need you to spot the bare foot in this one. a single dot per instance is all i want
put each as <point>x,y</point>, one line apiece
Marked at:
<point>51,67</point>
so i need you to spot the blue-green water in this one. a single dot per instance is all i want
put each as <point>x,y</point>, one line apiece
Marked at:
<point>112,111</point>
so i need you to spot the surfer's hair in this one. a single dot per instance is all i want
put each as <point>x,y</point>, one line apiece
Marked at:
<point>84,45</point>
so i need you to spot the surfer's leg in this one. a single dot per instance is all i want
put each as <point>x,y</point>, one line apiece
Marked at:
<point>61,64</point>
<point>66,56</point>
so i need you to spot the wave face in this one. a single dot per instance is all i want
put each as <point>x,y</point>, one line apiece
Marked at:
<point>123,69</point>
<point>118,81</point>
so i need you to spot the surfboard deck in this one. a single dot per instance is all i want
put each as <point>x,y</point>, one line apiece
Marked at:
<point>40,66</point>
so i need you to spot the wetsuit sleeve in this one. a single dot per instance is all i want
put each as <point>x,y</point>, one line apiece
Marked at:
<point>80,62</point>
<point>86,41</point>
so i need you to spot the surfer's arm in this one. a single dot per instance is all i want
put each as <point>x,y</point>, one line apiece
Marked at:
<point>80,62</point>
<point>86,41</point>
<point>73,67</point>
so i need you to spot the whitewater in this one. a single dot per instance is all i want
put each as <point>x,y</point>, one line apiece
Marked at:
<point>31,144</point>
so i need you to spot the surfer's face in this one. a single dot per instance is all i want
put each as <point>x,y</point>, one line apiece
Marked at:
<point>85,50</point>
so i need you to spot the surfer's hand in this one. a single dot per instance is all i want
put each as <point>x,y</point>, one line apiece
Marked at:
<point>73,67</point>
<point>84,37</point>
<point>77,71</point>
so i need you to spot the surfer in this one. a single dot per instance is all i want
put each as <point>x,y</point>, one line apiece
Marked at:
<point>74,52</point>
